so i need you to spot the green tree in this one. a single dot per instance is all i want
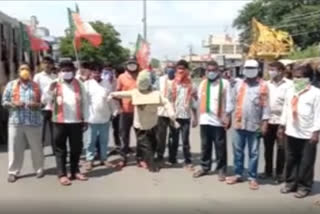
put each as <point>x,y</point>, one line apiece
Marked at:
<point>301,18</point>
<point>155,63</point>
<point>110,50</point>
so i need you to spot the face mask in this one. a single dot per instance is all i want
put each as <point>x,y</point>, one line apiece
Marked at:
<point>273,74</point>
<point>171,72</point>
<point>67,75</point>
<point>212,75</point>
<point>250,72</point>
<point>24,74</point>
<point>300,84</point>
<point>132,67</point>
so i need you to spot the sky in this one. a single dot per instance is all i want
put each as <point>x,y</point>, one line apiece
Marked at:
<point>172,25</point>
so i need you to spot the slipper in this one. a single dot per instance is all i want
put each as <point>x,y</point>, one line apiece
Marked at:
<point>317,203</point>
<point>189,167</point>
<point>233,180</point>
<point>64,181</point>
<point>301,194</point>
<point>253,185</point>
<point>79,177</point>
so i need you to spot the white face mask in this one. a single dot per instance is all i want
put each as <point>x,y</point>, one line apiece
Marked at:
<point>273,74</point>
<point>250,72</point>
<point>67,75</point>
<point>132,67</point>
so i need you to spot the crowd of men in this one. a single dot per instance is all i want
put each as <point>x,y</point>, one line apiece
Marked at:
<point>79,106</point>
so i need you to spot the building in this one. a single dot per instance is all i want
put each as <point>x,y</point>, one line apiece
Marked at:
<point>224,49</point>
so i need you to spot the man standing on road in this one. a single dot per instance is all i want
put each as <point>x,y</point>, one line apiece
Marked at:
<point>165,83</point>
<point>300,121</point>
<point>100,112</point>
<point>278,86</point>
<point>215,112</point>
<point>182,97</point>
<point>23,99</point>
<point>126,82</point>
<point>252,113</point>
<point>44,79</point>
<point>69,117</point>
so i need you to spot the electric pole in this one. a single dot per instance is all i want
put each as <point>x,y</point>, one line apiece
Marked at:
<point>144,20</point>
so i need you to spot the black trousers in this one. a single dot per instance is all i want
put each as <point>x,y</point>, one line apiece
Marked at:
<point>64,133</point>
<point>213,135</point>
<point>300,161</point>
<point>116,130</point>
<point>146,141</point>
<point>174,141</point>
<point>47,122</point>
<point>269,141</point>
<point>162,129</point>
<point>126,122</point>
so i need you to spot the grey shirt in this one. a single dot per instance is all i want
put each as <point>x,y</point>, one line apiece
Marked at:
<point>253,113</point>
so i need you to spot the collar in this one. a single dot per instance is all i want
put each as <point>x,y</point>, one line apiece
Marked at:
<point>282,81</point>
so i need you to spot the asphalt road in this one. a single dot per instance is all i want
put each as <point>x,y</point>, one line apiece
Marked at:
<point>134,190</point>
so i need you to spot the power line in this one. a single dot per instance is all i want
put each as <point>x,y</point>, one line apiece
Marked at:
<point>306,14</point>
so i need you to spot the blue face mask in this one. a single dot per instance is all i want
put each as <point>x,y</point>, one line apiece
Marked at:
<point>171,72</point>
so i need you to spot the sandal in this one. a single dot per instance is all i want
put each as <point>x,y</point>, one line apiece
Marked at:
<point>233,180</point>
<point>286,190</point>
<point>301,194</point>
<point>317,203</point>
<point>79,177</point>
<point>253,185</point>
<point>200,173</point>
<point>65,181</point>
<point>189,167</point>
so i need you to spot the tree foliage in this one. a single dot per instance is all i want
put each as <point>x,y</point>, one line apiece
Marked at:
<point>310,52</point>
<point>110,50</point>
<point>301,18</point>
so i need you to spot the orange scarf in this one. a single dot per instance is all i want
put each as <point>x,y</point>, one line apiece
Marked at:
<point>295,100</point>
<point>59,111</point>
<point>182,78</point>
<point>240,99</point>
<point>16,92</point>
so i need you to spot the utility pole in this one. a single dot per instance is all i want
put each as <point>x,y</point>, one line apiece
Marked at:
<point>190,54</point>
<point>144,20</point>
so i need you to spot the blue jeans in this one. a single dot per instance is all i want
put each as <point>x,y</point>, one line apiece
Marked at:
<point>241,138</point>
<point>98,132</point>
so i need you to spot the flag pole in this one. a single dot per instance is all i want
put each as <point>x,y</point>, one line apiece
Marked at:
<point>76,54</point>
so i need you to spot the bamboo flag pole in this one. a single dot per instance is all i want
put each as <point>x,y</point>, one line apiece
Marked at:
<point>76,54</point>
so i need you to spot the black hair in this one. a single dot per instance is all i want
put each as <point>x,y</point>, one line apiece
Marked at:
<point>66,64</point>
<point>107,65</point>
<point>212,63</point>
<point>95,66</point>
<point>85,65</point>
<point>306,69</point>
<point>183,63</point>
<point>278,65</point>
<point>48,59</point>
<point>119,70</point>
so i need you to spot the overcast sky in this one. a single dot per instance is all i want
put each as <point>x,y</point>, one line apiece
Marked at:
<point>173,25</point>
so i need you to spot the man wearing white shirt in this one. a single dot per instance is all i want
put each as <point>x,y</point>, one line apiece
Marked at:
<point>165,83</point>
<point>44,79</point>
<point>278,86</point>
<point>100,112</point>
<point>300,121</point>
<point>69,117</point>
<point>215,113</point>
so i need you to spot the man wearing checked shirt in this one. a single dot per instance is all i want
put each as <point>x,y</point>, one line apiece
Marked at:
<point>22,98</point>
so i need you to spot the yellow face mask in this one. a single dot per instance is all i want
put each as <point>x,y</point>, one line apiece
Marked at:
<point>24,74</point>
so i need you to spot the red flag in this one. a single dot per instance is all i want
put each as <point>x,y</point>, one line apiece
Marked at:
<point>36,43</point>
<point>142,52</point>
<point>85,31</point>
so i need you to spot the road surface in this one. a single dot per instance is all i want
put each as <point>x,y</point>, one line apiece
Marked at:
<point>135,190</point>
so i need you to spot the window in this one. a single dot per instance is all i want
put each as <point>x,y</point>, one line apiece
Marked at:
<point>227,49</point>
<point>239,49</point>
<point>215,49</point>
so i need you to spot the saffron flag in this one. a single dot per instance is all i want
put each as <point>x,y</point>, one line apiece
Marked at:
<point>84,30</point>
<point>142,53</point>
<point>36,43</point>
